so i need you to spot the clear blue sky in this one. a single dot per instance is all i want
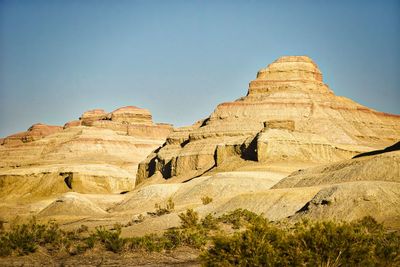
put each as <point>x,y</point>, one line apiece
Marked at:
<point>179,59</point>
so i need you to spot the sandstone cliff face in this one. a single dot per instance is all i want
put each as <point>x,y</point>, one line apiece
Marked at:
<point>99,153</point>
<point>289,114</point>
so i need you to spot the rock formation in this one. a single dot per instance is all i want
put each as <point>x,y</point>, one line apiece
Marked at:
<point>72,204</point>
<point>35,132</point>
<point>288,115</point>
<point>98,153</point>
<point>351,189</point>
<point>345,190</point>
<point>289,149</point>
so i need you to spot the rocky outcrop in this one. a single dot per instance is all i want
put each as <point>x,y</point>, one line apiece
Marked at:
<point>72,204</point>
<point>35,132</point>
<point>346,190</point>
<point>132,121</point>
<point>91,116</point>
<point>353,201</point>
<point>98,153</point>
<point>288,115</point>
<point>382,167</point>
<point>132,115</point>
<point>350,189</point>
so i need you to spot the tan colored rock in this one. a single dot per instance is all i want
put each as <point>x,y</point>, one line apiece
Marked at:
<point>90,116</point>
<point>289,114</point>
<point>381,167</point>
<point>353,201</point>
<point>275,205</point>
<point>84,159</point>
<point>72,124</point>
<point>35,132</point>
<point>132,115</point>
<point>287,69</point>
<point>129,120</point>
<point>72,204</point>
<point>346,190</point>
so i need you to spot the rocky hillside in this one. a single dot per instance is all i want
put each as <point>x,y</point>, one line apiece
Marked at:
<point>98,153</point>
<point>288,115</point>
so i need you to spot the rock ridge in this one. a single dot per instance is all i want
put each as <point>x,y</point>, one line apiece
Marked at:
<point>98,153</point>
<point>307,123</point>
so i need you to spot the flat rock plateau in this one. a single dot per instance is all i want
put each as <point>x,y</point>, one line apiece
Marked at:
<point>289,149</point>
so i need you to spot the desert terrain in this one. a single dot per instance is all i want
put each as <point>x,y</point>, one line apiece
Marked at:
<point>290,149</point>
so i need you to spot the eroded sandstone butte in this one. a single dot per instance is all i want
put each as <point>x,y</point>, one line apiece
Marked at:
<point>98,153</point>
<point>285,150</point>
<point>288,115</point>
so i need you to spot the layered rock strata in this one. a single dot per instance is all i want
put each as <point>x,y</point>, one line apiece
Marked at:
<point>35,132</point>
<point>288,114</point>
<point>98,153</point>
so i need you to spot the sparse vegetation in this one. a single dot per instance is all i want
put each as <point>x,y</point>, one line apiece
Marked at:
<point>240,218</point>
<point>161,210</point>
<point>26,238</point>
<point>110,238</point>
<point>360,243</point>
<point>256,242</point>
<point>209,222</point>
<point>189,219</point>
<point>138,219</point>
<point>206,200</point>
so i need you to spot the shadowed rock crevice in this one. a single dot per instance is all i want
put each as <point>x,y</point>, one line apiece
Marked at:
<point>68,178</point>
<point>249,151</point>
<point>394,147</point>
<point>167,169</point>
<point>184,143</point>
<point>305,208</point>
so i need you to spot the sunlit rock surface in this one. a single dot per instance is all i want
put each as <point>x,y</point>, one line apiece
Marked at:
<point>98,153</point>
<point>288,115</point>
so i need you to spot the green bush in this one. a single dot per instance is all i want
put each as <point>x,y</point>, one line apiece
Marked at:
<point>189,219</point>
<point>25,238</point>
<point>150,243</point>
<point>258,243</point>
<point>360,243</point>
<point>172,239</point>
<point>90,241</point>
<point>253,247</point>
<point>239,218</point>
<point>194,237</point>
<point>5,246</point>
<point>111,238</point>
<point>209,222</point>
